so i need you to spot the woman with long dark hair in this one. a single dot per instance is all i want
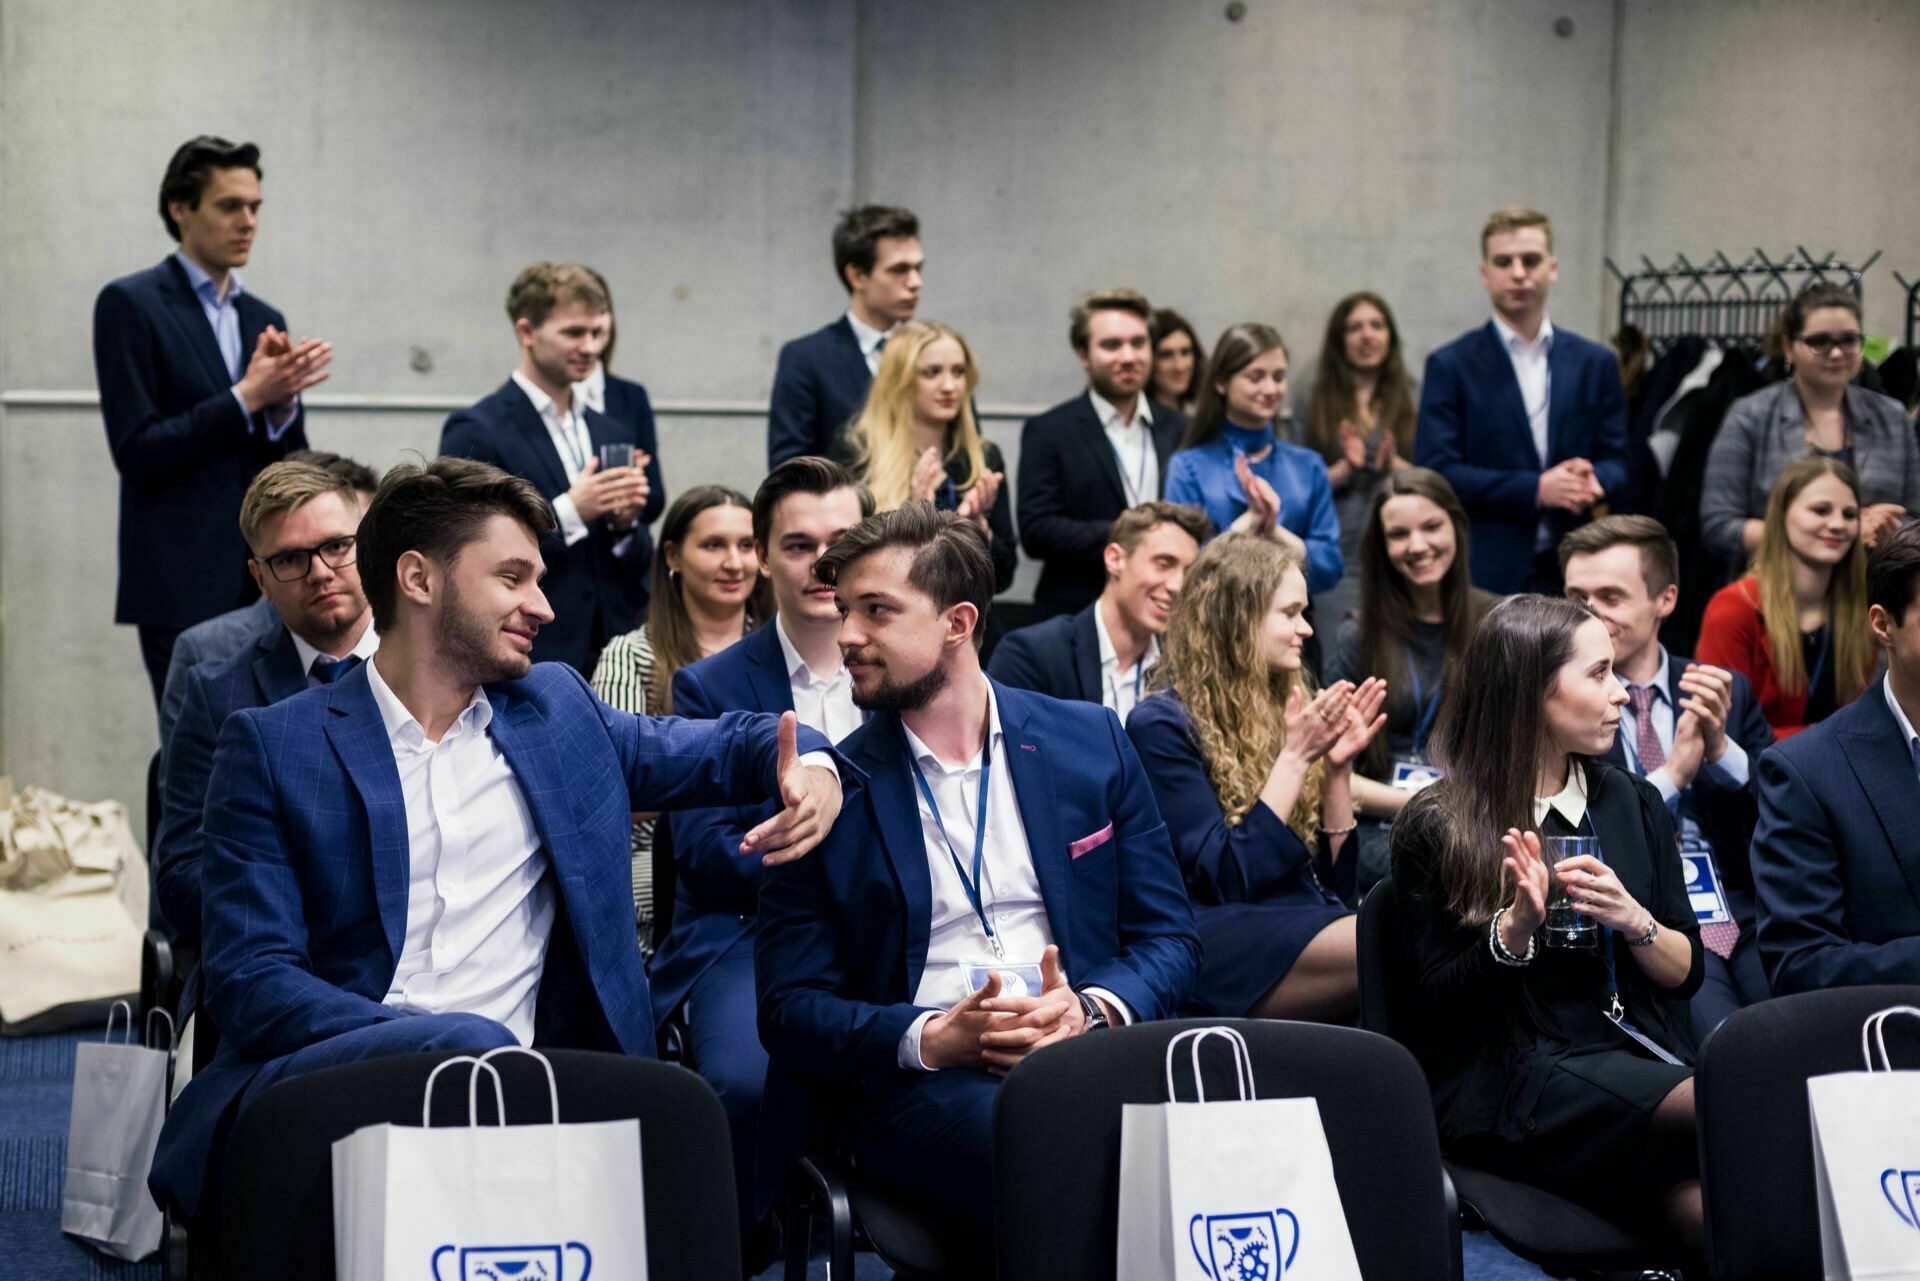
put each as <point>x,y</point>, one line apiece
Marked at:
<point>1566,1066</point>
<point>1418,609</point>
<point>1251,767</point>
<point>1178,359</point>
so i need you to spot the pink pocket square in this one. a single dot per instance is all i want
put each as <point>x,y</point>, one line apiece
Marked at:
<point>1087,843</point>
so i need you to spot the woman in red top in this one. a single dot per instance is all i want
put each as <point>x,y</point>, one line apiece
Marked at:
<point>1797,624</point>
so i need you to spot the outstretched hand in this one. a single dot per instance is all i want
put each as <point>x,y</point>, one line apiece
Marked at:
<point>1362,720</point>
<point>1531,884</point>
<point>811,796</point>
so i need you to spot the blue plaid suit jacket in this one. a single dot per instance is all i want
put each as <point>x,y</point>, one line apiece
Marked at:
<point>304,875</point>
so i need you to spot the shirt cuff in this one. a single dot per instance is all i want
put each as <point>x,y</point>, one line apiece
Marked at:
<point>1663,780</point>
<point>572,528</point>
<point>909,1058</point>
<point>276,428</point>
<point>1119,1006</point>
<point>246,410</point>
<point>823,759</point>
<point>1733,767</point>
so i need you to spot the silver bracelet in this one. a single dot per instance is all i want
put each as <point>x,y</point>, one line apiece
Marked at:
<point>1498,946</point>
<point>1348,830</point>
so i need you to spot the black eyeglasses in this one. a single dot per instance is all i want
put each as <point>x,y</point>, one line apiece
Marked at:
<point>1825,343</point>
<point>295,563</point>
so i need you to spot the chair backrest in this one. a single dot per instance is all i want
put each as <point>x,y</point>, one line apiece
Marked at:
<point>1057,1142</point>
<point>1756,1138</point>
<point>1386,995</point>
<point>153,805</point>
<point>276,1188</point>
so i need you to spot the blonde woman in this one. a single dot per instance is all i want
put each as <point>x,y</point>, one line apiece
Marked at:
<point>916,440</point>
<point>1253,771</point>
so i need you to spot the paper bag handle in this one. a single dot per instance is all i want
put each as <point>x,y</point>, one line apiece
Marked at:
<point>1242,1062</point>
<point>120,1007</point>
<point>148,1038</point>
<point>553,1088</point>
<point>1873,1035</point>
<point>473,1091</point>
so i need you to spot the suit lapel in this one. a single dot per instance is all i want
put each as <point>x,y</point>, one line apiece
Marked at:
<point>602,429</point>
<point>767,672</point>
<point>534,434</point>
<point>521,733</point>
<point>184,304</point>
<point>1169,425</point>
<point>253,322</point>
<point>1884,766</point>
<point>1099,448</point>
<point>359,738</point>
<point>851,358</point>
<point>1032,774</point>
<point>277,669</point>
<point>1617,825</point>
<point>1496,371</point>
<point>1562,395</point>
<point>896,811</point>
<point>1085,650</point>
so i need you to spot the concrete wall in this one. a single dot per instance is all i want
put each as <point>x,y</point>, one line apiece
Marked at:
<point>417,154</point>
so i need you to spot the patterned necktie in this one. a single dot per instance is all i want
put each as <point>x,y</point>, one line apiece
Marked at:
<point>327,669</point>
<point>1646,742</point>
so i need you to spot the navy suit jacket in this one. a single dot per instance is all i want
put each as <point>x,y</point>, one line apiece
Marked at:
<point>1058,657</point>
<point>1725,813</point>
<point>1836,855</point>
<point>718,890</point>
<point>221,636</point>
<point>184,449</point>
<point>1473,430</point>
<point>306,863</point>
<point>265,672</point>
<point>843,935</point>
<point>596,592</point>
<point>1069,491</point>
<point>818,387</point>
<point>627,402</point>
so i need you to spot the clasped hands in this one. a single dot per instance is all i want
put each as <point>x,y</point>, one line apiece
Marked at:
<point>1570,485</point>
<point>991,1031</point>
<point>811,796</point>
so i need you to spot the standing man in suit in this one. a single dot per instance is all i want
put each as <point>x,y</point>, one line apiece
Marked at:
<point>1104,653</point>
<point>1005,884</point>
<point>1836,857</point>
<point>791,664</point>
<point>1084,462</point>
<point>624,401</point>
<point>535,427</point>
<point>1527,422</point>
<point>822,378</point>
<point>1694,731</point>
<point>432,852</point>
<point>200,388</point>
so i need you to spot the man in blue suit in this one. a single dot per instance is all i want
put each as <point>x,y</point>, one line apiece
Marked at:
<point>200,388</point>
<point>1104,653</point>
<point>1527,422</point>
<point>536,427</point>
<point>792,664</point>
<point>1006,883</point>
<point>822,378</point>
<point>433,851</point>
<point>1694,731</point>
<point>1836,857</point>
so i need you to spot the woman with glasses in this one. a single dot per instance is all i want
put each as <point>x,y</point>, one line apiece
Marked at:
<point>1816,410</point>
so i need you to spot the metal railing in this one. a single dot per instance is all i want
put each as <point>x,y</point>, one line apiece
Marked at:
<point>1732,303</point>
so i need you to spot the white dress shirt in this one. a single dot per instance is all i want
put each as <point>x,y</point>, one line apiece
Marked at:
<point>572,442</point>
<point>1570,800</point>
<point>1121,690</point>
<point>1529,361</point>
<point>591,392</point>
<point>363,649</point>
<point>1907,734</point>
<point>480,902</point>
<point>1132,444</point>
<point>824,703</point>
<point>869,339</point>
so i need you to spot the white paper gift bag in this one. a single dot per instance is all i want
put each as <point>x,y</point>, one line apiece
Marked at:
<point>119,1102</point>
<point>479,1202</point>
<point>1866,1163</point>
<point>1238,1190</point>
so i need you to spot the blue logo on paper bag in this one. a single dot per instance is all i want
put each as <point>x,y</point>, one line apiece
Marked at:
<point>512,1262</point>
<point>1902,1190</point>
<point>1244,1247</point>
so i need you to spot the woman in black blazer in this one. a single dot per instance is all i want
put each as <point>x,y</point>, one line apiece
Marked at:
<point>1567,1068</point>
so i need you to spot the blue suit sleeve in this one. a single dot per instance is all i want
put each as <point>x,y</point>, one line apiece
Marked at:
<point>1016,662</point>
<point>150,449</point>
<point>1183,483</point>
<point>793,414</point>
<point>1325,565</point>
<point>1440,443</point>
<point>464,436</point>
<point>706,842</point>
<point>183,799</point>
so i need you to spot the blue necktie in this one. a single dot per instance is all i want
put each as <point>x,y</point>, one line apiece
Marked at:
<point>327,669</point>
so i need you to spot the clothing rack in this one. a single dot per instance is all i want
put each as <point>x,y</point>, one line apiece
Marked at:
<point>1723,301</point>
<point>1913,305</point>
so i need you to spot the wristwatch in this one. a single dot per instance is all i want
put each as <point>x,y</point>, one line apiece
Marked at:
<point>1096,1017</point>
<point>1646,940</point>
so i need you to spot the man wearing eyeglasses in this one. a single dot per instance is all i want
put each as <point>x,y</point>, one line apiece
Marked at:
<point>298,520</point>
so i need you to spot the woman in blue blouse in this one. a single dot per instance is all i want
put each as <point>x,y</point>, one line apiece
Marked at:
<point>1232,466</point>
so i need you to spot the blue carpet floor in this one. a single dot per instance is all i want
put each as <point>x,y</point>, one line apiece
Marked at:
<point>36,1084</point>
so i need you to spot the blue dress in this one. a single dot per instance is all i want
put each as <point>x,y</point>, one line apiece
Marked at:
<point>1203,477</point>
<point>1257,900</point>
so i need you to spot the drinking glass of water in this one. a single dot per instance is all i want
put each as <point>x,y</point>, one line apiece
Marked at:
<point>1565,926</point>
<point>616,455</point>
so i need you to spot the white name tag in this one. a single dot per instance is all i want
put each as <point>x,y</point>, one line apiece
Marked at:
<point>1411,776</point>
<point>1015,980</point>
<point>1703,885</point>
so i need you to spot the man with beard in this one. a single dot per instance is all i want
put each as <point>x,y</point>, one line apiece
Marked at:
<point>1005,883</point>
<point>1084,462</point>
<point>536,427</point>
<point>431,853</point>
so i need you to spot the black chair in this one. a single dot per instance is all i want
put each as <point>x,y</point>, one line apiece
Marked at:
<point>1757,1179</point>
<point>1057,1143</point>
<point>859,1214</point>
<point>275,1208</point>
<point>1560,1236</point>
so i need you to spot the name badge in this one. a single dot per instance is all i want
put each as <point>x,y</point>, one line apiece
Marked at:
<point>1015,980</point>
<point>1703,884</point>
<point>1411,776</point>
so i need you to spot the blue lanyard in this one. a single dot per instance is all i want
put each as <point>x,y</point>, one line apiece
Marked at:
<point>1139,675</point>
<point>1820,664</point>
<point>1136,484</point>
<point>1429,707</point>
<point>970,884</point>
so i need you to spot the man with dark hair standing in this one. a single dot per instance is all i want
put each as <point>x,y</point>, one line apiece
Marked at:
<point>822,378</point>
<point>200,388</point>
<point>432,852</point>
<point>536,427</point>
<point>1087,460</point>
<point>1005,883</point>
